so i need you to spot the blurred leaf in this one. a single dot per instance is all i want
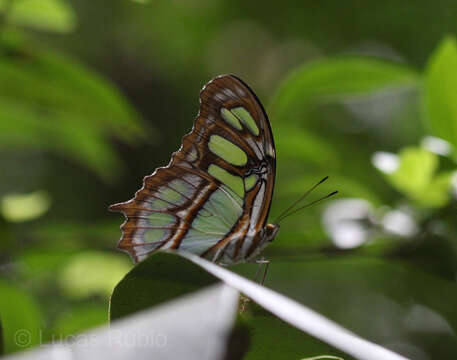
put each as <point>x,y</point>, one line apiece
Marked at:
<point>41,260</point>
<point>339,78</point>
<point>20,317</point>
<point>436,255</point>
<point>77,235</point>
<point>24,207</point>
<point>296,143</point>
<point>347,187</point>
<point>415,171</point>
<point>48,15</point>
<point>24,127</point>
<point>6,234</point>
<point>437,194</point>
<point>79,319</point>
<point>415,177</point>
<point>93,273</point>
<point>440,100</point>
<point>369,296</point>
<point>158,279</point>
<point>50,102</point>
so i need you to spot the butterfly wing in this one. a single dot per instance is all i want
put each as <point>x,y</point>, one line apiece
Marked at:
<point>214,196</point>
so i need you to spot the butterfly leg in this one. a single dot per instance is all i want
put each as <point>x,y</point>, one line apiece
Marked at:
<point>262,261</point>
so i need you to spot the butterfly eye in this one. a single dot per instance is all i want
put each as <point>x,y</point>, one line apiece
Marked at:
<point>271,231</point>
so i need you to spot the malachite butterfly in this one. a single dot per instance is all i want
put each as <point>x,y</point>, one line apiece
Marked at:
<point>214,196</point>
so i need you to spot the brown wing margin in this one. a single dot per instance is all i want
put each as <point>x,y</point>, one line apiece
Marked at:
<point>191,163</point>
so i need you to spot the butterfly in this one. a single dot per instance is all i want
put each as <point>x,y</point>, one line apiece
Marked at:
<point>214,196</point>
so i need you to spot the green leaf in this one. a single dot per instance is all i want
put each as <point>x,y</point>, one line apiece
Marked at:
<point>164,276</point>
<point>158,279</point>
<point>21,318</point>
<point>339,78</point>
<point>92,273</point>
<point>47,15</point>
<point>416,169</point>
<point>52,103</point>
<point>416,177</point>
<point>161,332</point>
<point>437,194</point>
<point>440,99</point>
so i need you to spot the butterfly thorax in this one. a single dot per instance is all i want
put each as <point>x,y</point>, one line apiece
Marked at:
<point>267,235</point>
<point>251,247</point>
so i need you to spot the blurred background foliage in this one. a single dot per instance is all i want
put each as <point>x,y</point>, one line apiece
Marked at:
<point>94,95</point>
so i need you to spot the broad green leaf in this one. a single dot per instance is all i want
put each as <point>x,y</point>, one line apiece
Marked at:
<point>21,318</point>
<point>24,207</point>
<point>158,279</point>
<point>47,15</point>
<point>338,78</point>
<point>92,273</point>
<point>163,277</point>
<point>440,99</point>
<point>194,327</point>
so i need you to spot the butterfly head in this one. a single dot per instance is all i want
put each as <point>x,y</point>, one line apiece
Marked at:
<point>270,231</point>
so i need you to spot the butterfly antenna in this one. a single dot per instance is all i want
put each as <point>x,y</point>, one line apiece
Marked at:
<point>308,205</point>
<point>298,200</point>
